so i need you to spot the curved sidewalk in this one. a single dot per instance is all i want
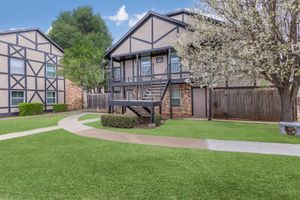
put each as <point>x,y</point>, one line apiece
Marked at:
<point>72,125</point>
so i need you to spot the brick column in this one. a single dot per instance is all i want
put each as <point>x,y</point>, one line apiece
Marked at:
<point>73,96</point>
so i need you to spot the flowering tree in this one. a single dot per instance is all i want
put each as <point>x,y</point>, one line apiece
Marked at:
<point>255,38</point>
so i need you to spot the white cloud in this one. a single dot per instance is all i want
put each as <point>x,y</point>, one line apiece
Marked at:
<point>50,28</point>
<point>120,16</point>
<point>135,18</point>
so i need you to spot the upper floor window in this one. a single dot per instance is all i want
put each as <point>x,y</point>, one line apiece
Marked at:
<point>17,66</point>
<point>145,66</point>
<point>51,71</point>
<point>175,63</point>
<point>17,97</point>
<point>117,73</point>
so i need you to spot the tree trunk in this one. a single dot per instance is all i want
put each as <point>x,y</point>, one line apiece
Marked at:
<point>288,104</point>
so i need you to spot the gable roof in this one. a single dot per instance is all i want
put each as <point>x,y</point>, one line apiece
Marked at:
<point>137,25</point>
<point>178,12</point>
<point>29,30</point>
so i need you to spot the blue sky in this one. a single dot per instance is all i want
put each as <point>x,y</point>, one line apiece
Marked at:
<point>119,15</point>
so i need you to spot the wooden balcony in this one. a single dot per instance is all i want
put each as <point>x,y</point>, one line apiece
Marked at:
<point>178,77</point>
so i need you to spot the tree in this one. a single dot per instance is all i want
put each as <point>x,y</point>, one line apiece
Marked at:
<point>85,37</point>
<point>81,65</point>
<point>255,38</point>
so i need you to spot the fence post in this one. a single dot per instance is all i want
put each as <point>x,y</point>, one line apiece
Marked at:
<point>210,104</point>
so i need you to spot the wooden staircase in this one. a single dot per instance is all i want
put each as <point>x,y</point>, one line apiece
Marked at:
<point>155,93</point>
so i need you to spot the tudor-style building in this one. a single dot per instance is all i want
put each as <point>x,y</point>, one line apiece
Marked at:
<point>146,74</point>
<point>29,65</point>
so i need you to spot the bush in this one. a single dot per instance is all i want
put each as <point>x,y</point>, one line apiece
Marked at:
<point>157,120</point>
<point>60,108</point>
<point>26,109</point>
<point>119,121</point>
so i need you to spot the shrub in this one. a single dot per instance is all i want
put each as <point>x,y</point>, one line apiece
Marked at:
<point>60,108</point>
<point>119,121</point>
<point>26,109</point>
<point>157,120</point>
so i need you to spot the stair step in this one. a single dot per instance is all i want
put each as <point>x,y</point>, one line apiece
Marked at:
<point>141,111</point>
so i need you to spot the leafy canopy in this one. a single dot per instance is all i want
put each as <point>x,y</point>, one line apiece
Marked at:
<point>257,37</point>
<point>85,37</point>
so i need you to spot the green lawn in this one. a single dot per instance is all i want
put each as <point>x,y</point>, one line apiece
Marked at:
<point>215,130</point>
<point>90,116</point>
<point>17,124</point>
<point>59,165</point>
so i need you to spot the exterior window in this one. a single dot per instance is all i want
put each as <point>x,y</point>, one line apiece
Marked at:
<point>17,97</point>
<point>17,66</point>
<point>175,63</point>
<point>145,66</point>
<point>51,97</point>
<point>51,71</point>
<point>117,73</point>
<point>175,96</point>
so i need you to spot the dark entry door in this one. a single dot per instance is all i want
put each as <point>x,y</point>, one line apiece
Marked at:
<point>199,102</point>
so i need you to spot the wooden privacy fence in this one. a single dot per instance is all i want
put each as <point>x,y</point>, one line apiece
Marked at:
<point>99,102</point>
<point>246,103</point>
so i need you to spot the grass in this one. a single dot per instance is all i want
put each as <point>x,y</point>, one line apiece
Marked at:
<point>17,124</point>
<point>90,116</point>
<point>214,130</point>
<point>59,165</point>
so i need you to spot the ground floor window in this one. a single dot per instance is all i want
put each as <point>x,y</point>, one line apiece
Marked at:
<point>17,97</point>
<point>51,97</point>
<point>175,100</point>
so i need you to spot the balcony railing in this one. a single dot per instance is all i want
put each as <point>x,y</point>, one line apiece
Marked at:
<point>175,73</point>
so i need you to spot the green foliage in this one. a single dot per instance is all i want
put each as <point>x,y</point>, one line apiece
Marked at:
<point>81,65</point>
<point>26,109</point>
<point>60,108</point>
<point>73,26</point>
<point>119,121</point>
<point>85,37</point>
<point>157,120</point>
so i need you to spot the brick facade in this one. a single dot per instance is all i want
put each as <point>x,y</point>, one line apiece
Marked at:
<point>185,109</point>
<point>73,96</point>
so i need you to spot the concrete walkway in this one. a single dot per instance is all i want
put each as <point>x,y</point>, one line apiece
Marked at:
<point>35,131</point>
<point>72,125</point>
<point>26,133</point>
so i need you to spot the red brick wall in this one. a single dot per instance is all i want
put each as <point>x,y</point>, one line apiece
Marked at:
<point>73,96</point>
<point>185,109</point>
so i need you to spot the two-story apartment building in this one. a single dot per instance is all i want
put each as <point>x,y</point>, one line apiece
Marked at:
<point>146,74</point>
<point>29,66</point>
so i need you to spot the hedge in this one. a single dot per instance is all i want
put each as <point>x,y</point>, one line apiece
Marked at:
<point>119,121</point>
<point>60,108</point>
<point>157,120</point>
<point>26,109</point>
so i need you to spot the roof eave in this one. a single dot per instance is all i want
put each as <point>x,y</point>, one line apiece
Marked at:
<point>108,52</point>
<point>32,29</point>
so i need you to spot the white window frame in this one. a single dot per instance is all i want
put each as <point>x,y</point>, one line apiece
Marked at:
<point>55,71</point>
<point>55,93</point>
<point>14,69</point>
<point>11,97</point>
